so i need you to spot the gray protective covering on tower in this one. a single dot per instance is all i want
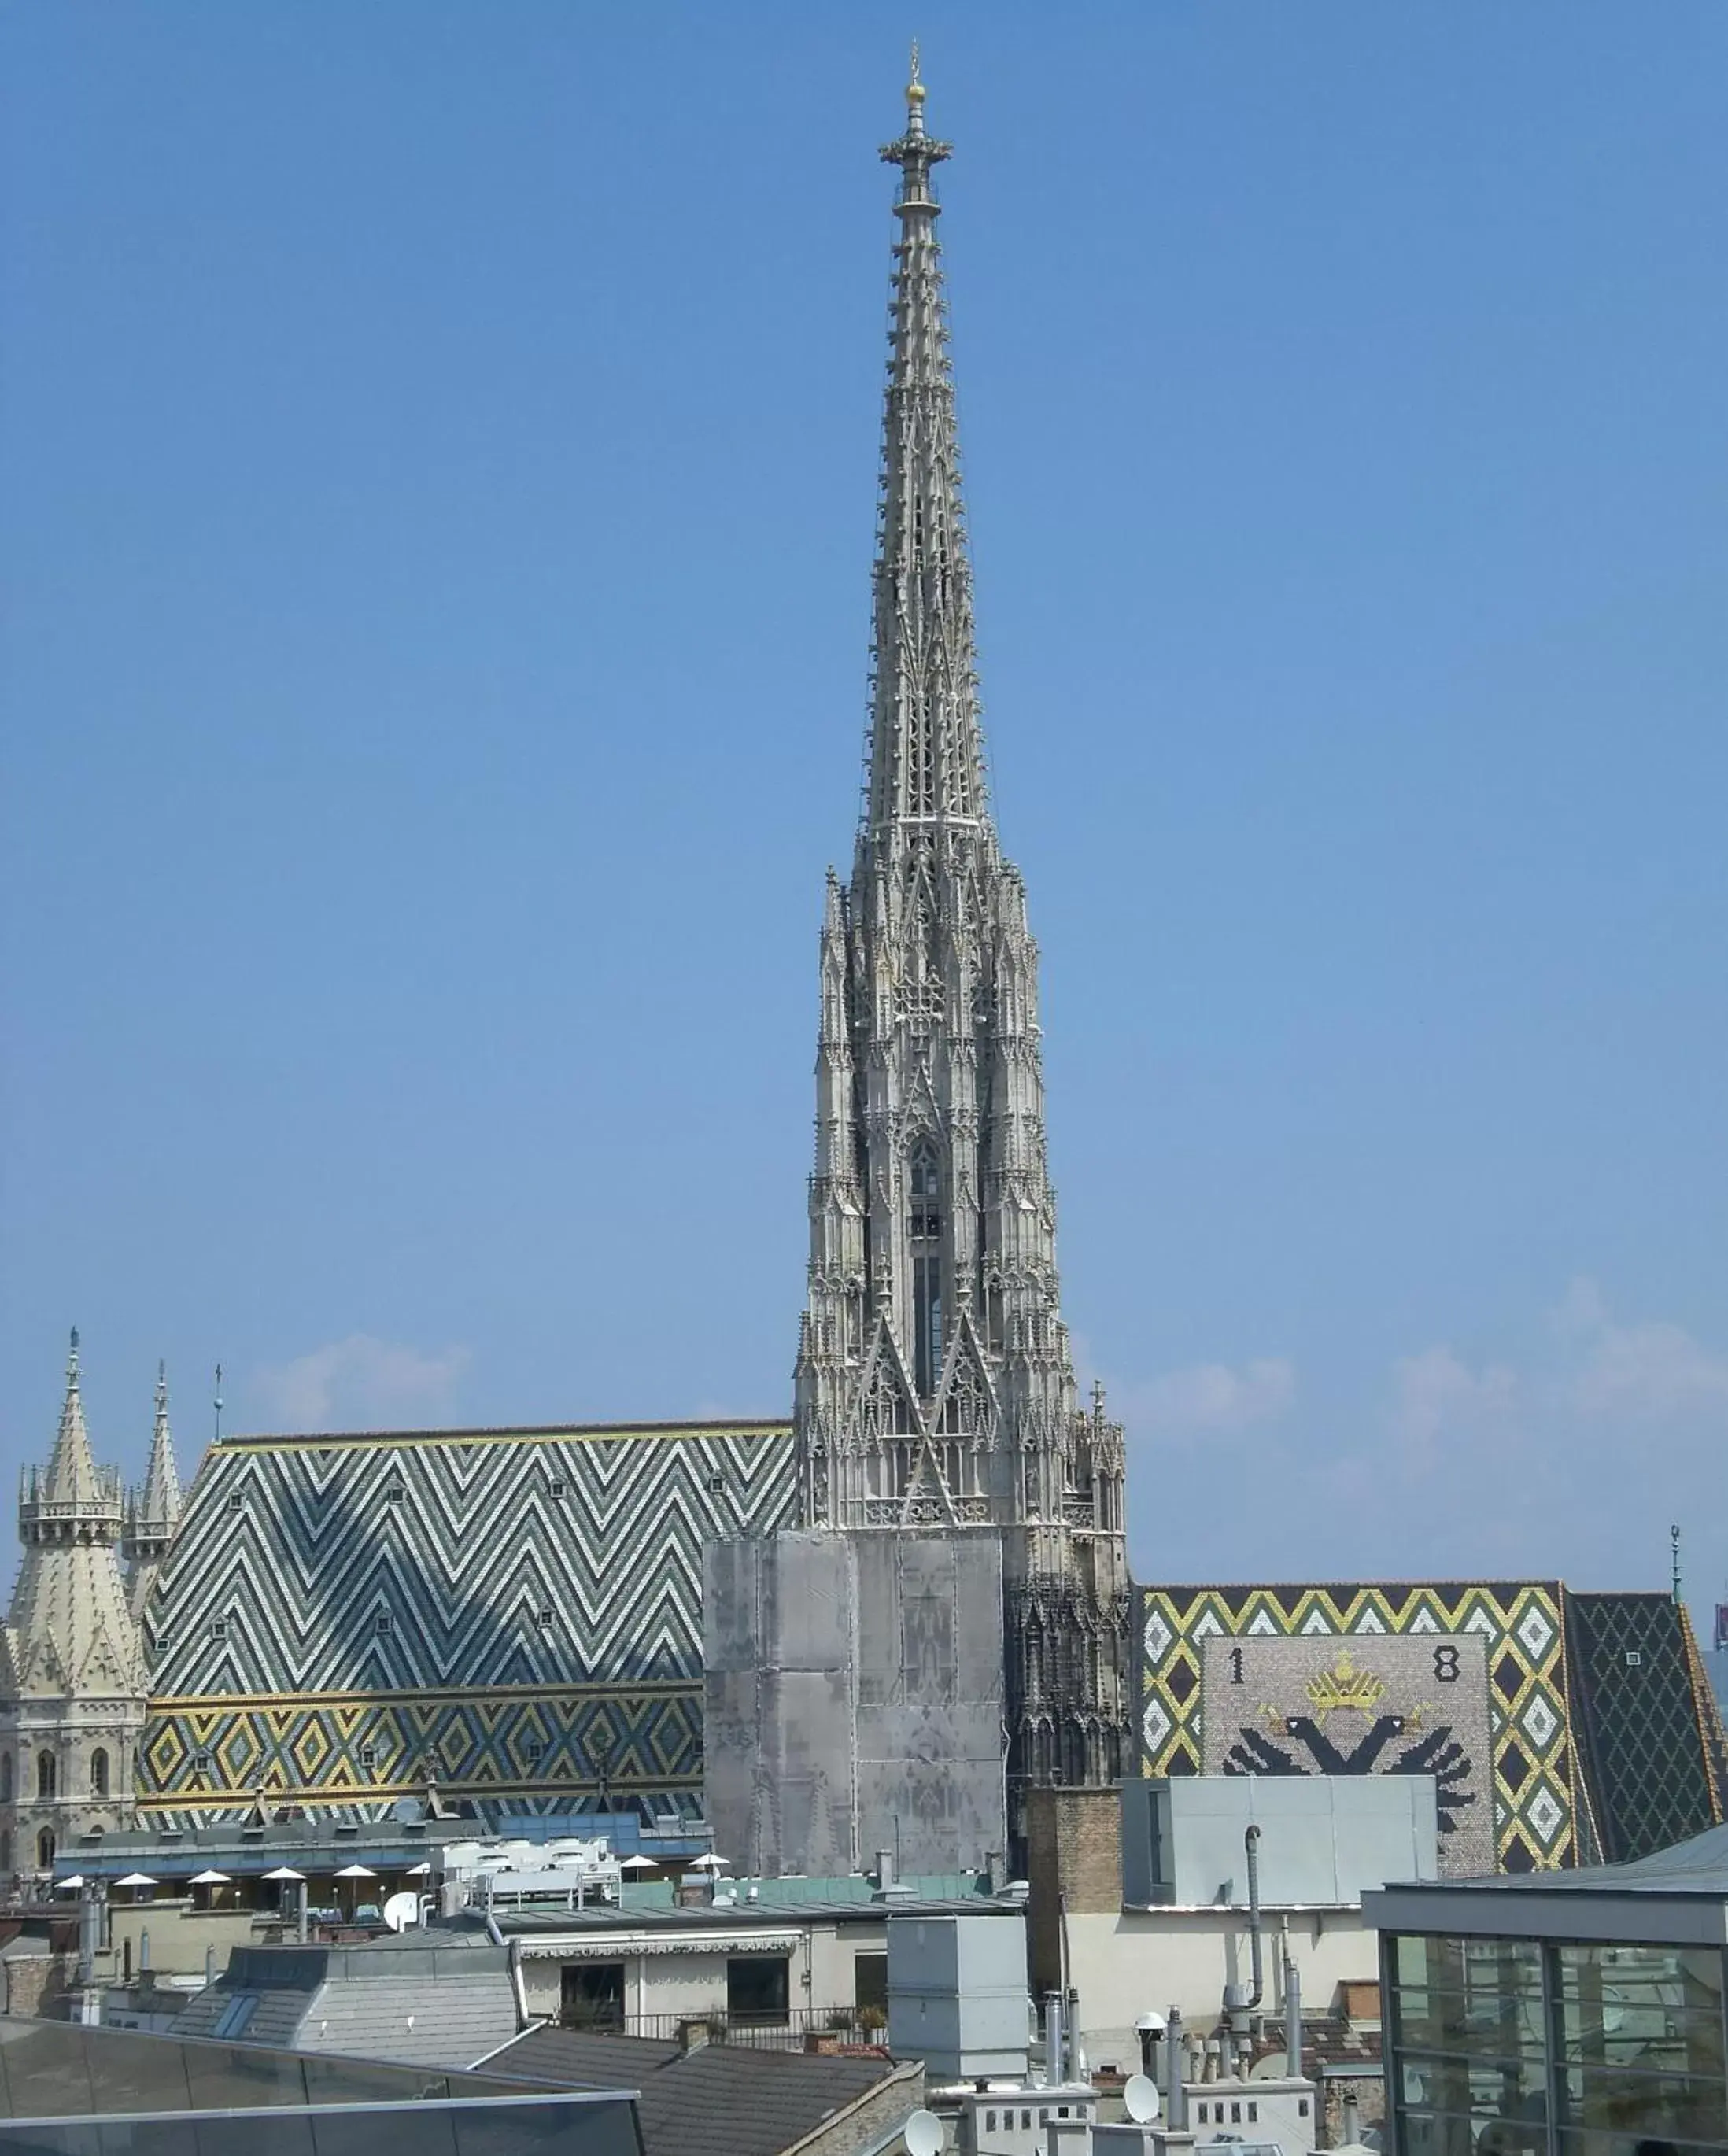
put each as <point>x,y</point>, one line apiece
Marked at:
<point>852,1700</point>
<point>936,1399</point>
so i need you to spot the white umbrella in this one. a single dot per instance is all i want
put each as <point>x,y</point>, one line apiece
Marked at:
<point>421,1870</point>
<point>76,1880</point>
<point>209,1879</point>
<point>637,1864</point>
<point>356,1871</point>
<point>710,1862</point>
<point>135,1879</point>
<point>284,1874</point>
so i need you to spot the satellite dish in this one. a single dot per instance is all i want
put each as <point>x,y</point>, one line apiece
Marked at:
<point>923,2134</point>
<point>401,1910</point>
<point>1140,2099</point>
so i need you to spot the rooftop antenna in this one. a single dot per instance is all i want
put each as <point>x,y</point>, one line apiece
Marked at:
<point>218,1403</point>
<point>1674,1536</point>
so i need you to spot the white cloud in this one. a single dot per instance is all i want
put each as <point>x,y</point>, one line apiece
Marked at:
<point>359,1384</point>
<point>1653,1371</point>
<point>1207,1397</point>
<point>1438,1399</point>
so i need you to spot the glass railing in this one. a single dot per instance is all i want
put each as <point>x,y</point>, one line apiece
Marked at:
<point>71,2091</point>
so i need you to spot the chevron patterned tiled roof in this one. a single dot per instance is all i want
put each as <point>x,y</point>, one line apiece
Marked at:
<point>517,1608</point>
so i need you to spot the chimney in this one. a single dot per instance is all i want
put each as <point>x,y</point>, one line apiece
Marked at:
<point>885,1870</point>
<point>692,2035</point>
<point>1052,2038</point>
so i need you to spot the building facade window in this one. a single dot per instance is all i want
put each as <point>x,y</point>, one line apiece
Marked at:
<point>758,1990</point>
<point>5,1784</point>
<point>45,1850</point>
<point>47,1776</point>
<point>99,1773</point>
<point>869,1984</point>
<point>591,1995</point>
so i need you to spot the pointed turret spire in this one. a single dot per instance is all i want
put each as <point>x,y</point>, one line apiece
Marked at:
<point>153,1512</point>
<point>77,1490</point>
<point>926,743</point>
<point>160,1500</point>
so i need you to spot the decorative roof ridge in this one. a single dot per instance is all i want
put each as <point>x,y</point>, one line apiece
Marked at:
<point>741,1425</point>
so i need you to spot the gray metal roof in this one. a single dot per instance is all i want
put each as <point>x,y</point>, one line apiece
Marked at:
<point>442,2004</point>
<point>1675,1897</point>
<point>738,1915</point>
<point>1698,1866</point>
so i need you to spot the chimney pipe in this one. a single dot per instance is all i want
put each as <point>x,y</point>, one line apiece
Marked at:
<point>1074,2074</point>
<point>1251,1844</point>
<point>1176,2094</point>
<point>1292,2020</point>
<point>1052,2038</point>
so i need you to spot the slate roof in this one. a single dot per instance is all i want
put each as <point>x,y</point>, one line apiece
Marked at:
<point>723,2099</point>
<point>1643,1731</point>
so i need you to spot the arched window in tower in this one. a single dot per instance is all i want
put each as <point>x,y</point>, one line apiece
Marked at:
<point>99,1773</point>
<point>925,1230</point>
<point>45,1850</point>
<point>5,1788</point>
<point>46,1776</point>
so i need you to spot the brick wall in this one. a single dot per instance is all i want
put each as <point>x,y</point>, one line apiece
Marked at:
<point>1073,1848</point>
<point>36,1984</point>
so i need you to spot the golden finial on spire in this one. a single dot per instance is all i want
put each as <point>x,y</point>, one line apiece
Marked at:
<point>915,89</point>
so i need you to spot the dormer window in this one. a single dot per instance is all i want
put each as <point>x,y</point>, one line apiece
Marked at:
<point>393,1493</point>
<point>384,1622</point>
<point>219,1628</point>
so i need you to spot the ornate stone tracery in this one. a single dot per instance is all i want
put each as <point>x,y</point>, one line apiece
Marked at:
<point>934,1386</point>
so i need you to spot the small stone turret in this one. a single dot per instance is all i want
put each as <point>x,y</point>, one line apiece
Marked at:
<point>153,1512</point>
<point>72,1673</point>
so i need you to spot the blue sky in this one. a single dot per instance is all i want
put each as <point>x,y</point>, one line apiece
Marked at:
<point>436,489</point>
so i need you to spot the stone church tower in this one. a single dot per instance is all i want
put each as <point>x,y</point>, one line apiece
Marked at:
<point>72,1673</point>
<point>934,1389</point>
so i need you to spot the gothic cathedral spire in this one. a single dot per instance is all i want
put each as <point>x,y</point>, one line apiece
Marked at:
<point>935,1388</point>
